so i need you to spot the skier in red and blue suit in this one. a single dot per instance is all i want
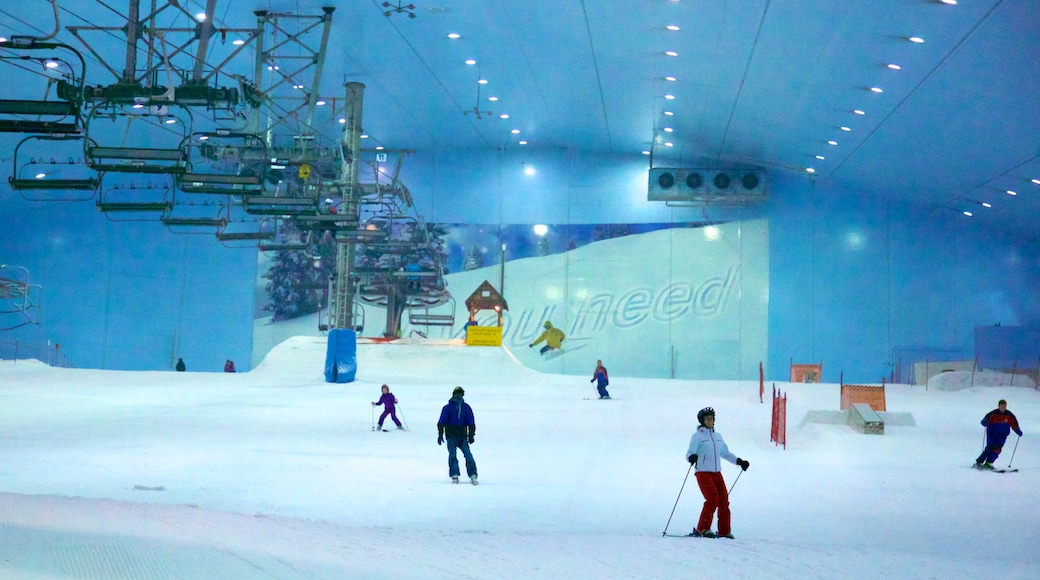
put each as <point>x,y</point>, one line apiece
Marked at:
<point>998,423</point>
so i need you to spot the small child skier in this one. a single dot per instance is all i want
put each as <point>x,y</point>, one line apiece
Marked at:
<point>998,423</point>
<point>599,376</point>
<point>388,400</point>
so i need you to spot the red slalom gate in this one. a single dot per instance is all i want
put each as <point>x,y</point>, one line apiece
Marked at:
<point>778,430</point>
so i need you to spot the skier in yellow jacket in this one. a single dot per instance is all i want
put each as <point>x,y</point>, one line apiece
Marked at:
<point>552,336</point>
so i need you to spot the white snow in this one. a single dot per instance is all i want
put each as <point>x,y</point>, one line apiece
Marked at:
<point>277,474</point>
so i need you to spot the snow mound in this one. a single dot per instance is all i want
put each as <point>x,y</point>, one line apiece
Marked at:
<point>957,380</point>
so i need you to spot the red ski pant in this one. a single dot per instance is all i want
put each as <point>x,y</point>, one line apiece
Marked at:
<point>715,498</point>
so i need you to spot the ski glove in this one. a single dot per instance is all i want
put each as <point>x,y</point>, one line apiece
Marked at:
<point>440,440</point>
<point>530,346</point>
<point>743,463</point>
<point>471,440</point>
<point>1019,433</point>
<point>692,459</point>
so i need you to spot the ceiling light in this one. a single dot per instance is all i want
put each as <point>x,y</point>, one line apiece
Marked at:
<point>876,90</point>
<point>238,42</point>
<point>672,53</point>
<point>810,170</point>
<point>668,144</point>
<point>645,152</point>
<point>515,131</point>
<point>41,175</point>
<point>380,147</point>
<point>3,39</point>
<point>470,61</point>
<point>668,129</point>
<point>820,157</point>
<point>915,39</point>
<point>492,99</point>
<point>670,97</point>
<point>845,129</point>
<point>203,137</point>
<point>503,116</point>
<point>672,27</point>
<point>482,82</point>
<point>669,113</point>
<point>858,112</point>
<point>320,103</point>
<point>894,66</point>
<point>1036,181</point>
<point>522,142</point>
<point>832,142</point>
<point>968,213</point>
<point>671,79</point>
<point>528,170</point>
<point>138,106</point>
<point>364,136</point>
<point>51,64</point>
<point>172,121</point>
<point>342,121</point>
<point>454,35</point>
<point>201,17</point>
<point>1009,192</point>
<point>950,2</point>
<point>984,204</point>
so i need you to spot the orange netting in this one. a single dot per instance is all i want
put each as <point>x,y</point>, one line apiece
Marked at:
<point>873,395</point>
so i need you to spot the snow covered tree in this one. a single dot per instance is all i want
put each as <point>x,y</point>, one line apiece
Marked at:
<point>296,278</point>
<point>606,232</point>
<point>474,259</point>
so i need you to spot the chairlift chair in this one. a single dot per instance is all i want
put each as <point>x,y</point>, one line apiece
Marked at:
<point>61,116</point>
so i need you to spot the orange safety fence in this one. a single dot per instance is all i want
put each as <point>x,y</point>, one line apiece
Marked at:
<point>805,373</point>
<point>873,395</point>
<point>778,429</point>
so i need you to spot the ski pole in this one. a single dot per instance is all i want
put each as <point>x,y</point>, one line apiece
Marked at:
<point>735,482</point>
<point>665,532</point>
<point>373,417</point>
<point>403,420</point>
<point>1014,450</point>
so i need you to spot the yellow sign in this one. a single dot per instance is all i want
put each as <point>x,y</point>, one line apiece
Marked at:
<point>484,336</point>
<point>305,171</point>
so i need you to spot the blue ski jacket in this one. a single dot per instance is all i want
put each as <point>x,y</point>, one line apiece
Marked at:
<point>457,419</point>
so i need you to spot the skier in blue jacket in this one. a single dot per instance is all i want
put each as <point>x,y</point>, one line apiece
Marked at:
<point>458,426</point>
<point>998,423</point>
<point>706,451</point>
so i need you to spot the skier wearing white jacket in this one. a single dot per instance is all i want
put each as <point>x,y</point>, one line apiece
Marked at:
<point>706,451</point>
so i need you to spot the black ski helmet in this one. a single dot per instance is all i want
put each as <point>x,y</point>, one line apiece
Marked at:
<point>458,391</point>
<point>704,413</point>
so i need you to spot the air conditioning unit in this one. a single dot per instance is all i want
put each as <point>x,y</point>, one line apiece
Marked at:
<point>707,185</point>
<point>667,184</point>
<point>737,182</point>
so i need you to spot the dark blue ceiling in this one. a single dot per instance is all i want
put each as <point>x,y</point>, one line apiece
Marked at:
<point>762,82</point>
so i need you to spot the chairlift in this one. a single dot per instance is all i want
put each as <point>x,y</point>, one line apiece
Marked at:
<point>224,162</point>
<point>425,315</point>
<point>164,119</point>
<point>59,116</point>
<point>56,166</point>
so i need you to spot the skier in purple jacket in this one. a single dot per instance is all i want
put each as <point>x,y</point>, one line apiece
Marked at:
<point>388,400</point>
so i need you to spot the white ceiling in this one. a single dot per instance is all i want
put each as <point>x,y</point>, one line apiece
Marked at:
<point>761,82</point>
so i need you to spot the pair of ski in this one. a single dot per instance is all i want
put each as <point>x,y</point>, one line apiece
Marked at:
<point>693,535</point>
<point>1006,470</point>
<point>386,430</point>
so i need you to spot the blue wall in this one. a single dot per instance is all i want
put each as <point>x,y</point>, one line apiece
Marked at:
<point>128,295</point>
<point>852,275</point>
